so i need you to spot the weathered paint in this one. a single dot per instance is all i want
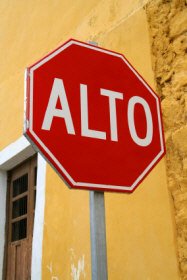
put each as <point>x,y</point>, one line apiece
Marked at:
<point>78,270</point>
<point>66,232</point>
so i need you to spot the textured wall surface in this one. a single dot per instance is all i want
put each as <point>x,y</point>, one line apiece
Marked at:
<point>168,29</point>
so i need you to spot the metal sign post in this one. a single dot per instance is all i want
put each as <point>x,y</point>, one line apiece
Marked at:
<point>98,232</point>
<point>98,236</point>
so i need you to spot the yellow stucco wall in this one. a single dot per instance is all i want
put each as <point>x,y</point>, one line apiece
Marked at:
<point>29,30</point>
<point>141,241</point>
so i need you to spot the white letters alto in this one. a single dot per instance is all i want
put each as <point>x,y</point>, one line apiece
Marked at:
<point>58,91</point>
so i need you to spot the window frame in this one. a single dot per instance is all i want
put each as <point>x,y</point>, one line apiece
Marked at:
<point>12,155</point>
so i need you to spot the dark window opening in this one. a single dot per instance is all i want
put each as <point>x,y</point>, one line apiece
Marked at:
<point>19,230</point>
<point>35,176</point>
<point>19,207</point>
<point>20,185</point>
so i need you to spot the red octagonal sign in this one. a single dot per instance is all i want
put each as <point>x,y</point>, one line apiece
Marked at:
<point>93,117</point>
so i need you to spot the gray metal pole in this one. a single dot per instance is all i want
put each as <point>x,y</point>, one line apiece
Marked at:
<point>98,236</point>
<point>98,232</point>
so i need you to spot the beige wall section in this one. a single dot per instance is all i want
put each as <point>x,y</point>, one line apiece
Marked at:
<point>140,226</point>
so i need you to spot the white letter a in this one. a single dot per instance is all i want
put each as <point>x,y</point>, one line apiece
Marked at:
<point>58,90</point>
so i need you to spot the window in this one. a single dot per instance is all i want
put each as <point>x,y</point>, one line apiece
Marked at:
<point>20,218</point>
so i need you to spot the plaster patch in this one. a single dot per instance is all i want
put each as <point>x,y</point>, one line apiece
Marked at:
<point>50,268</point>
<point>76,272</point>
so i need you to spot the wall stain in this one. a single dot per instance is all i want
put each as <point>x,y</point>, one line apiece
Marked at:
<point>78,270</point>
<point>50,268</point>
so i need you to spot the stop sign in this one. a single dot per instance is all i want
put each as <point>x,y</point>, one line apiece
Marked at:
<point>93,117</point>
